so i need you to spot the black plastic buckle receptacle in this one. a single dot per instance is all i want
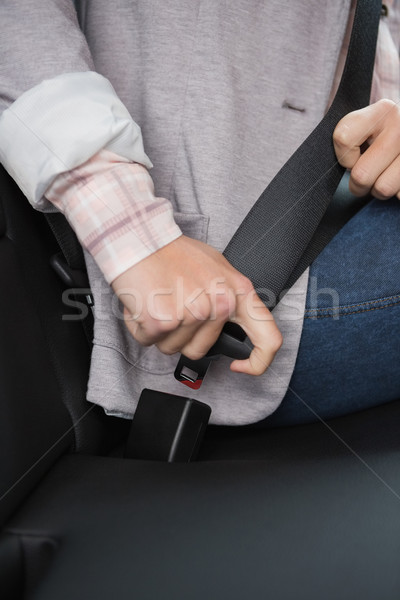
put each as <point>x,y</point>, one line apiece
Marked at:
<point>167,427</point>
<point>231,343</point>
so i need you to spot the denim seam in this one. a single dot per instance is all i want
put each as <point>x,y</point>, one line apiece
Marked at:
<point>316,313</point>
<point>367,302</point>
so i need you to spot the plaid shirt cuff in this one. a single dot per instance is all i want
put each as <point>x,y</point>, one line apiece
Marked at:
<point>110,203</point>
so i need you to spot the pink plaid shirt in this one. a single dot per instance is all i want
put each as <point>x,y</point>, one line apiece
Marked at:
<point>110,201</point>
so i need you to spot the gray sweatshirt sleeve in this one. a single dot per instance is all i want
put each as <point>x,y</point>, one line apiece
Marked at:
<point>55,111</point>
<point>40,39</point>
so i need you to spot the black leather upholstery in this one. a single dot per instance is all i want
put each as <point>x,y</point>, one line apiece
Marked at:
<point>11,567</point>
<point>35,427</point>
<point>304,512</point>
<point>2,221</point>
<point>308,520</point>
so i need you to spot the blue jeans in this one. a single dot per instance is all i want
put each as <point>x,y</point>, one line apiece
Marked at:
<point>349,355</point>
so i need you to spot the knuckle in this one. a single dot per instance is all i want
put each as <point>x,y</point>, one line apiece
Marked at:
<point>360,176</point>
<point>162,327</point>
<point>260,364</point>
<point>192,316</point>
<point>386,105</point>
<point>384,189</point>
<point>244,284</point>
<point>341,135</point>
<point>223,306</point>
<point>165,348</point>
<point>276,341</point>
<point>192,353</point>
<point>197,311</point>
<point>258,370</point>
<point>264,359</point>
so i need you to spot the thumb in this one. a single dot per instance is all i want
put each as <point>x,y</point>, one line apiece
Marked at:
<point>259,325</point>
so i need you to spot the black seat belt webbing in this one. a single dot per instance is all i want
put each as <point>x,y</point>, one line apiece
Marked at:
<point>67,240</point>
<point>70,266</point>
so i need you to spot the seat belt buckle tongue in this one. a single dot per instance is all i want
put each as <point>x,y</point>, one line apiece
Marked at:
<point>231,343</point>
<point>192,372</point>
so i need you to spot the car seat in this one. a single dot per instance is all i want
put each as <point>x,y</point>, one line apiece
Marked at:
<point>300,512</point>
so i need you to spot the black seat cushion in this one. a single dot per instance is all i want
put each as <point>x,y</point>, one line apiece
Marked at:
<point>313,514</point>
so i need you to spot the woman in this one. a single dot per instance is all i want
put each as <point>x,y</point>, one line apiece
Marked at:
<point>224,93</point>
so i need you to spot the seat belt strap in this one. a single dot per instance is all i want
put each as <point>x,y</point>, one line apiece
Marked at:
<point>70,266</point>
<point>67,240</point>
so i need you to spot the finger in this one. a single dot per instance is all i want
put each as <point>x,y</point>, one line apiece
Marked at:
<point>177,340</point>
<point>357,127</point>
<point>195,341</point>
<point>347,152</point>
<point>212,310</point>
<point>147,329</point>
<point>202,340</point>
<point>258,323</point>
<point>374,162</point>
<point>388,184</point>
<point>144,333</point>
